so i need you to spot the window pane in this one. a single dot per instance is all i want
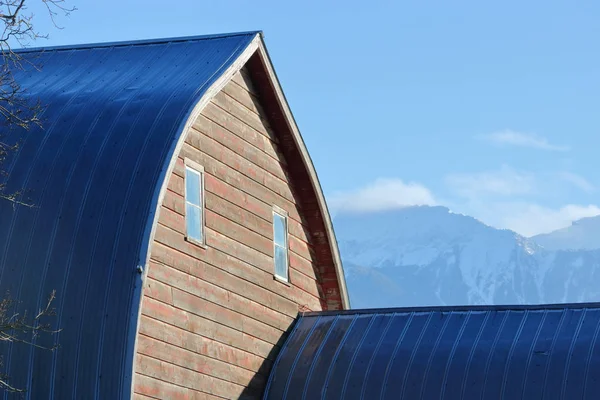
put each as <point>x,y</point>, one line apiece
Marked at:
<point>192,187</point>
<point>193,221</point>
<point>281,262</point>
<point>279,230</point>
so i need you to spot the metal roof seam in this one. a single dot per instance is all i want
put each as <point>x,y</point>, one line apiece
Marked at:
<point>569,354</point>
<point>335,358</point>
<point>316,358</point>
<point>510,353</point>
<point>94,121</point>
<point>355,354</point>
<point>589,359</point>
<point>393,357</point>
<point>370,365</point>
<point>297,358</point>
<point>479,355</point>
<point>433,351</point>
<point>552,346</point>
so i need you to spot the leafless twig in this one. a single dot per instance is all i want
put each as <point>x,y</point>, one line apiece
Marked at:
<point>20,328</point>
<point>18,110</point>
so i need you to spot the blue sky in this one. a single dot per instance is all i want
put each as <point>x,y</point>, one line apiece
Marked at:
<point>490,109</point>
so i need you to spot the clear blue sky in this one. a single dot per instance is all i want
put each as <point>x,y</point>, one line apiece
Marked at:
<point>491,109</point>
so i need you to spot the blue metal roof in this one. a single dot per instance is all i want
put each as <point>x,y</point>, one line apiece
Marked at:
<point>543,352</point>
<point>114,113</point>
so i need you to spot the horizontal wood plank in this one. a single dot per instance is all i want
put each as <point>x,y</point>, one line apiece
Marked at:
<point>237,110</point>
<point>203,346</point>
<point>158,290</point>
<point>174,202</point>
<point>205,327</point>
<point>205,365</point>
<point>235,178</point>
<point>233,142</point>
<point>148,387</point>
<point>172,219</point>
<point>239,233</point>
<point>237,91</point>
<point>221,315</point>
<point>240,164</point>
<point>229,247</point>
<point>215,294</point>
<point>137,396</point>
<point>242,78</point>
<point>238,197</point>
<point>259,284</point>
<point>239,215</point>
<point>188,378</point>
<point>239,128</point>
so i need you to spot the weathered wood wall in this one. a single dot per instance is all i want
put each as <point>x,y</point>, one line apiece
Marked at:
<point>213,318</point>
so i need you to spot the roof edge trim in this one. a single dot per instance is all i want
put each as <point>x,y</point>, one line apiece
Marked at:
<point>291,121</point>
<point>476,308</point>
<point>134,42</point>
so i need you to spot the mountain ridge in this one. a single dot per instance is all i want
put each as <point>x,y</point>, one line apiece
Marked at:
<point>424,255</point>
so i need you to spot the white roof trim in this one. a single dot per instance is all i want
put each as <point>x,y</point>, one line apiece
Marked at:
<point>264,55</point>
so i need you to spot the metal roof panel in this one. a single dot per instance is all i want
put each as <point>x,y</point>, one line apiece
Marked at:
<point>492,352</point>
<point>114,113</point>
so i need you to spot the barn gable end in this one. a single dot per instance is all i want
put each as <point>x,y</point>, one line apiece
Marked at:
<point>213,314</point>
<point>134,296</point>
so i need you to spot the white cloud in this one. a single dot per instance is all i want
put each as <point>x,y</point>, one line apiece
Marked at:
<point>504,182</point>
<point>530,219</point>
<point>382,194</point>
<point>520,139</point>
<point>500,198</point>
<point>578,181</point>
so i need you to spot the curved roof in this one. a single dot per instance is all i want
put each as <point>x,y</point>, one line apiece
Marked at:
<point>442,353</point>
<point>114,115</point>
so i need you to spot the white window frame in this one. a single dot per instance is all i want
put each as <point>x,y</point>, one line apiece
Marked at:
<point>199,169</point>
<point>282,213</point>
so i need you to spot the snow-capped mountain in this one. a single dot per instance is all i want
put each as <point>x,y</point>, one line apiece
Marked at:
<point>583,234</point>
<point>431,256</point>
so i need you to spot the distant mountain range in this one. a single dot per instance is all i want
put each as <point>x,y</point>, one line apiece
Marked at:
<point>417,256</point>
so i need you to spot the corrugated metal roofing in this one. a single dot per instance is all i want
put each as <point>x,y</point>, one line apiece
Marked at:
<point>549,352</point>
<point>114,113</point>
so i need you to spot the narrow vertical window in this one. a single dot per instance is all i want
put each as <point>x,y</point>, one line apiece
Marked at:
<point>194,202</point>
<point>280,241</point>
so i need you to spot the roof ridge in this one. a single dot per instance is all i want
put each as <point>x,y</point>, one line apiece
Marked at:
<point>516,307</point>
<point>136,42</point>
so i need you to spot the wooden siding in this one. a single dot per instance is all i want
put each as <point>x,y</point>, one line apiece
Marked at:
<point>214,317</point>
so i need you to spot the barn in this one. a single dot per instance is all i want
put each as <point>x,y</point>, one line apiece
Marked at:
<point>174,208</point>
<point>176,212</point>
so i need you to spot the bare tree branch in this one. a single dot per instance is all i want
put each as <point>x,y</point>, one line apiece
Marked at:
<point>18,110</point>
<point>20,328</point>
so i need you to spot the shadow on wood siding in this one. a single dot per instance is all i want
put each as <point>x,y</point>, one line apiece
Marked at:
<point>256,388</point>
